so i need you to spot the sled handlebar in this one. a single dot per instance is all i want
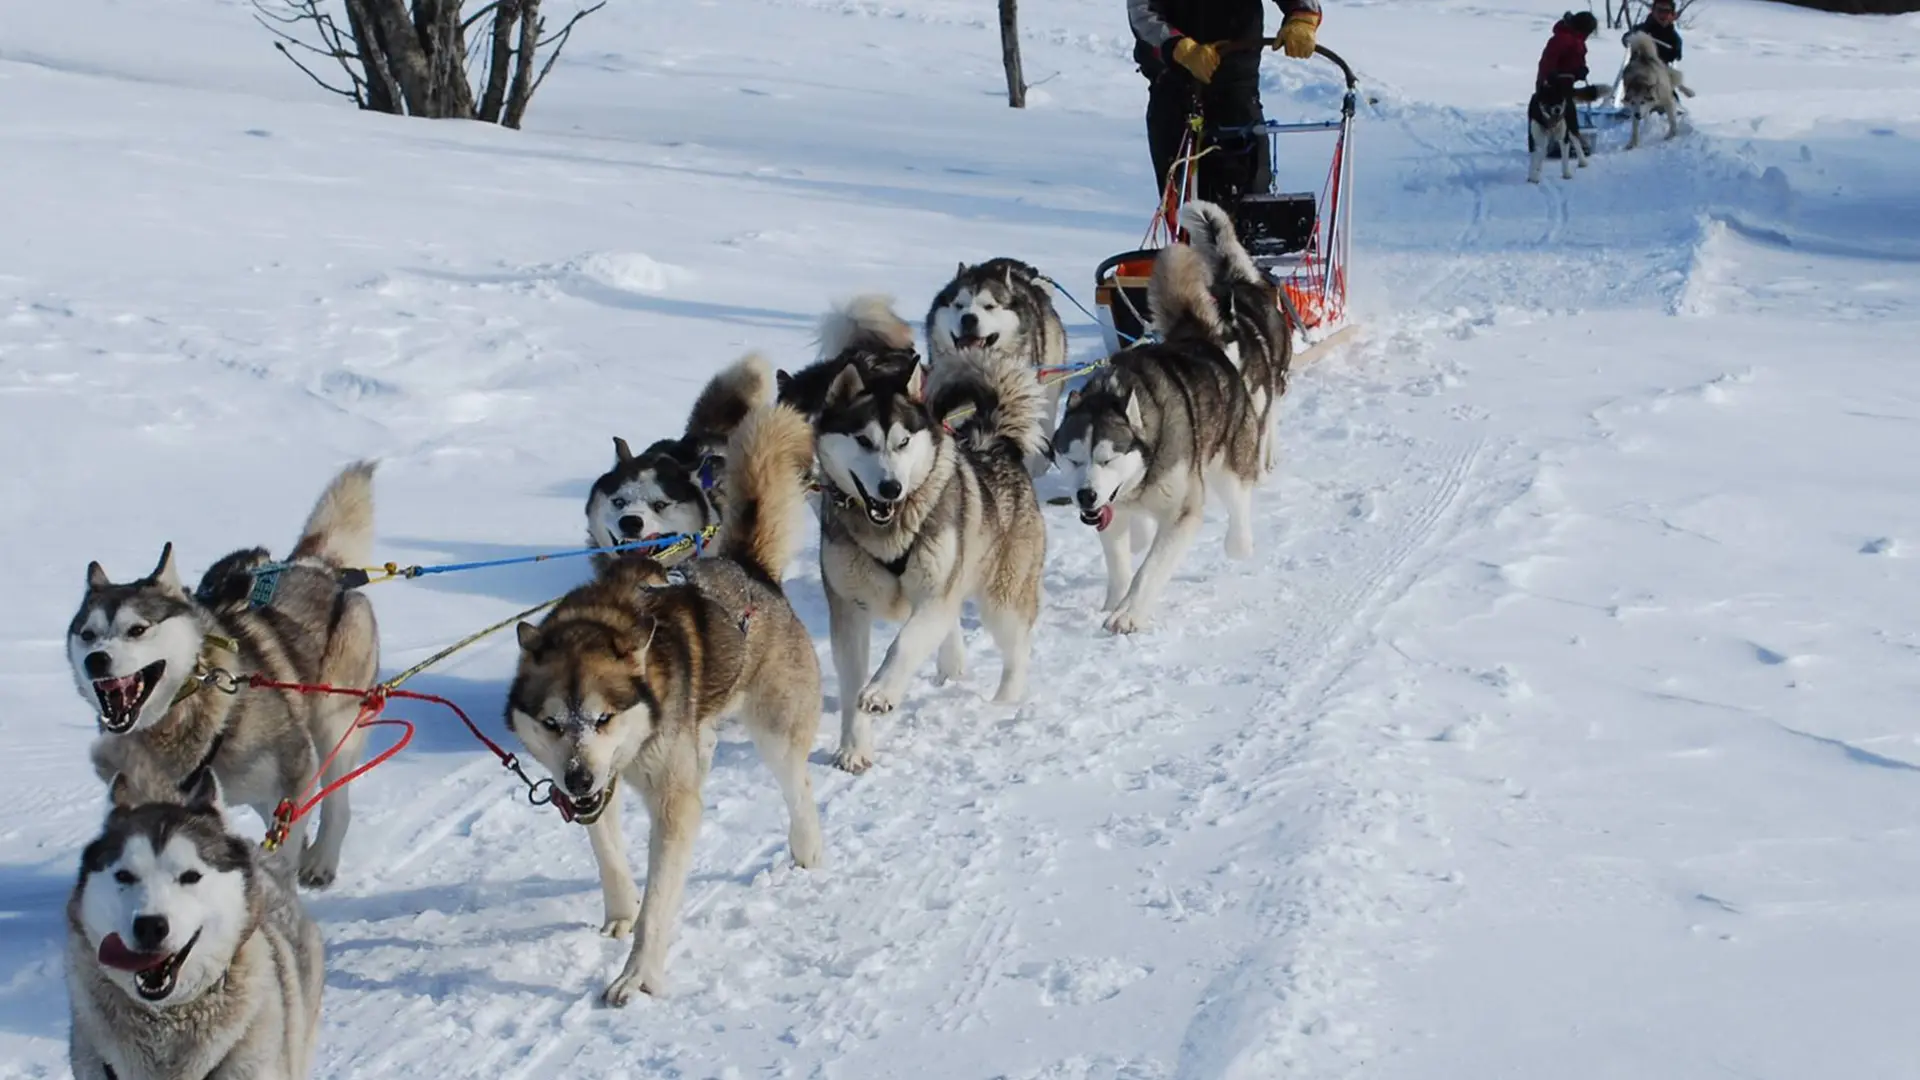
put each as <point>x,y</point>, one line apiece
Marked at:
<point>1353,81</point>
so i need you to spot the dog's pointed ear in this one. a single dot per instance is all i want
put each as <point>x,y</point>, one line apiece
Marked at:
<point>529,636</point>
<point>917,385</point>
<point>782,382</point>
<point>845,386</point>
<point>961,269</point>
<point>97,576</point>
<point>120,793</point>
<point>1073,398</point>
<point>201,790</point>
<point>165,573</point>
<point>1133,409</point>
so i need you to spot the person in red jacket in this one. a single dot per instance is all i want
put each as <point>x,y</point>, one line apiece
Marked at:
<point>1564,62</point>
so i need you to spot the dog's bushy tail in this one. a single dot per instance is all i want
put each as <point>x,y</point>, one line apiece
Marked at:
<point>340,528</point>
<point>769,461</point>
<point>1180,295</point>
<point>1004,394</point>
<point>727,399</point>
<point>1210,230</point>
<point>867,321</point>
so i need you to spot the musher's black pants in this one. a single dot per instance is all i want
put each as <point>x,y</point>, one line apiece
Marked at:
<point>1241,164</point>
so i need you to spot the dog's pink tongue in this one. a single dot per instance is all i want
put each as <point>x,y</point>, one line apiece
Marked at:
<point>120,692</point>
<point>1105,515</point>
<point>115,954</point>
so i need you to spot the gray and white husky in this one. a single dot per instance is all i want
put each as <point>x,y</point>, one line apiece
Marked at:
<point>186,955</point>
<point>1256,337</point>
<point>143,654</point>
<point>677,486</point>
<point>918,517</point>
<point>1001,311</point>
<point>1152,433</point>
<point>1648,85</point>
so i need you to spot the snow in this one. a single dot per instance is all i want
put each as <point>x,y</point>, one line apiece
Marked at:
<point>1561,724</point>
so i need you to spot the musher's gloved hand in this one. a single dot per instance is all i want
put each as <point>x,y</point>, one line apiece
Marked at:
<point>1202,60</point>
<point>1296,34</point>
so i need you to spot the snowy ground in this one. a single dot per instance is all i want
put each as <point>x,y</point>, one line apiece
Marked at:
<point>1561,726</point>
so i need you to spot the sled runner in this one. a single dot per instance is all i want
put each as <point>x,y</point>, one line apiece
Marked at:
<point>1300,240</point>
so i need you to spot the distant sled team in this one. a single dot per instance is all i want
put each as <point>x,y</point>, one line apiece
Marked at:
<point>189,950</point>
<point>1649,85</point>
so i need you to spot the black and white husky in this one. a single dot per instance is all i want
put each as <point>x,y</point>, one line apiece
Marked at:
<point>1549,128</point>
<point>186,955</point>
<point>677,487</point>
<point>1001,311</point>
<point>924,508</point>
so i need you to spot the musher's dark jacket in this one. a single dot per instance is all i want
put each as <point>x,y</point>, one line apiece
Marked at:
<point>1157,24</point>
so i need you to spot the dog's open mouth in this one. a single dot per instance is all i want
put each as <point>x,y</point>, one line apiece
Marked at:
<point>880,511</point>
<point>975,341</point>
<point>588,810</point>
<point>1099,519</point>
<point>122,699</point>
<point>154,974</point>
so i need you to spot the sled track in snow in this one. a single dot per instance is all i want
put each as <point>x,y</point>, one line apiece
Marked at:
<point>1278,1006</point>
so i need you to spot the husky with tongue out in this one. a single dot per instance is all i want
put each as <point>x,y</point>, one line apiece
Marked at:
<point>1163,425</point>
<point>185,956</point>
<point>143,653</point>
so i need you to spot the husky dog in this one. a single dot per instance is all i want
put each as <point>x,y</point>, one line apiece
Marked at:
<point>629,675</point>
<point>1152,432</point>
<point>864,331</point>
<point>916,519</point>
<point>142,652</point>
<point>1648,85</point>
<point>1549,128</point>
<point>1000,309</point>
<point>185,956</point>
<point>1257,341</point>
<point>677,486</point>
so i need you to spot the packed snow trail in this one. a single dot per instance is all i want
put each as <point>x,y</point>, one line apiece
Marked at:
<point>1560,723</point>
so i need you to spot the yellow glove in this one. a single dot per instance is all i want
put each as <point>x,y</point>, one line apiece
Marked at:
<point>1296,34</point>
<point>1202,60</point>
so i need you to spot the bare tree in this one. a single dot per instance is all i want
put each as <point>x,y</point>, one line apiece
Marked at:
<point>412,57</point>
<point>1010,54</point>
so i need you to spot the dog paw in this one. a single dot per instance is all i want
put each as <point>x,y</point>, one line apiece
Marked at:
<point>617,927</point>
<point>1239,546</point>
<point>1533,179</point>
<point>1125,621</point>
<point>878,700</point>
<point>945,671</point>
<point>808,851</point>
<point>623,989</point>
<point>318,876</point>
<point>847,759</point>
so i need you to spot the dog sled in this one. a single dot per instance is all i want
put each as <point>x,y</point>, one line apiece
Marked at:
<point>1300,239</point>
